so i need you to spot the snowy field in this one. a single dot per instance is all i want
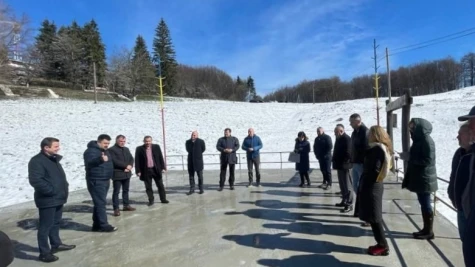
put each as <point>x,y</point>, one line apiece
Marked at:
<point>24,122</point>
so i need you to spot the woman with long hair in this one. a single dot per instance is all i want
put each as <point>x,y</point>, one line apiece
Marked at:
<point>376,166</point>
<point>302,147</point>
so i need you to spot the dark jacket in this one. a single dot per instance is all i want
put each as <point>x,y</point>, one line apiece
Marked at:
<point>252,142</point>
<point>371,192</point>
<point>195,154</point>
<point>322,147</point>
<point>231,143</point>
<point>359,141</point>
<point>303,149</point>
<point>466,170</point>
<point>342,153</point>
<point>141,161</point>
<point>96,168</point>
<point>421,174</point>
<point>121,158</point>
<point>47,177</point>
<point>6,250</point>
<point>461,182</point>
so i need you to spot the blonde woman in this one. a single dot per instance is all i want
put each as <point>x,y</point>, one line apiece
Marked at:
<point>376,166</point>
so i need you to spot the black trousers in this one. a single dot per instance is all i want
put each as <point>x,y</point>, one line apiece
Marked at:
<point>153,175</point>
<point>191,173</point>
<point>325,168</point>
<point>125,184</point>
<point>222,174</point>
<point>48,228</point>
<point>304,176</point>
<point>98,190</point>
<point>378,233</point>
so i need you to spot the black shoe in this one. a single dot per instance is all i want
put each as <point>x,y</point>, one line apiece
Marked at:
<point>201,191</point>
<point>347,209</point>
<point>165,201</point>
<point>191,192</point>
<point>341,204</point>
<point>62,247</point>
<point>220,189</point>
<point>107,229</point>
<point>48,258</point>
<point>231,187</point>
<point>322,185</point>
<point>301,185</point>
<point>150,203</point>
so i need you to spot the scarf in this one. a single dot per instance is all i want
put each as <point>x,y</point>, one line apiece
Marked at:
<point>387,164</point>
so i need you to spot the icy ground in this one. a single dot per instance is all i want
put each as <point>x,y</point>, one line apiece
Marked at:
<point>24,122</point>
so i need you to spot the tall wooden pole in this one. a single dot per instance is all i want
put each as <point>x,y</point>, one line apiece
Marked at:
<point>95,82</point>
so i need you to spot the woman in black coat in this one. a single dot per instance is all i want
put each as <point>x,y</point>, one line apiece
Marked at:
<point>302,147</point>
<point>376,166</point>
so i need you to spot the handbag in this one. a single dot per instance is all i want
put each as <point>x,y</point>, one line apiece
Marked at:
<point>294,157</point>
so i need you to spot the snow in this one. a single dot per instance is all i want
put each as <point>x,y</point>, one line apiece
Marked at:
<point>24,122</point>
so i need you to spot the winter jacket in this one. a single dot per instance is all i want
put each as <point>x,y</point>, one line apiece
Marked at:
<point>252,142</point>
<point>96,168</point>
<point>141,161</point>
<point>303,149</point>
<point>359,141</point>
<point>7,254</point>
<point>230,142</point>
<point>195,154</point>
<point>121,158</point>
<point>322,147</point>
<point>342,153</point>
<point>455,179</point>
<point>370,191</point>
<point>421,174</point>
<point>467,169</point>
<point>47,177</point>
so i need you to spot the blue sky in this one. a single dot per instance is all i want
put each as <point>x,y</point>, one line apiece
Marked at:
<point>277,42</point>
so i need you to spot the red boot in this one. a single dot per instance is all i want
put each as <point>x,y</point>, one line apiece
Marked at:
<point>378,250</point>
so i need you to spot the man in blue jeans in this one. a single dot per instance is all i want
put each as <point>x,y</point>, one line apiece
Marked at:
<point>359,141</point>
<point>99,171</point>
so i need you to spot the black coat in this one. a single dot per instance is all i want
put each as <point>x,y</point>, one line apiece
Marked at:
<point>141,161</point>
<point>359,141</point>
<point>303,149</point>
<point>96,168</point>
<point>342,153</point>
<point>7,253</point>
<point>322,147</point>
<point>121,158</point>
<point>195,154</point>
<point>371,192</point>
<point>459,153</point>
<point>231,143</point>
<point>47,177</point>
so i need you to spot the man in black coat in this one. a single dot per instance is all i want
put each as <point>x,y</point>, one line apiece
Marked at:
<point>195,148</point>
<point>99,172</point>
<point>47,177</point>
<point>359,140</point>
<point>227,145</point>
<point>322,147</point>
<point>123,162</point>
<point>342,163</point>
<point>149,165</point>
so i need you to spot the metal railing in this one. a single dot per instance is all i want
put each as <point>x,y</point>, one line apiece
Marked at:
<point>436,198</point>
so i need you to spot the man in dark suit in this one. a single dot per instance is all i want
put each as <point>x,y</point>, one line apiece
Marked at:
<point>47,177</point>
<point>123,162</point>
<point>227,145</point>
<point>342,163</point>
<point>99,171</point>
<point>149,165</point>
<point>195,148</point>
<point>323,152</point>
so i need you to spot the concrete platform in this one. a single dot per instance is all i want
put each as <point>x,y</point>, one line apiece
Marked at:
<point>278,224</point>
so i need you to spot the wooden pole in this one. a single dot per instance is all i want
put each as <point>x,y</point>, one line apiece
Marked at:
<point>406,117</point>
<point>95,82</point>
<point>389,74</point>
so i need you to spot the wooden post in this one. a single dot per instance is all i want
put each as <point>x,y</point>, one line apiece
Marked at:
<point>389,129</point>
<point>406,117</point>
<point>95,82</point>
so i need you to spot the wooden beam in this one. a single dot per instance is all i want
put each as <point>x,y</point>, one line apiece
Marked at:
<point>402,101</point>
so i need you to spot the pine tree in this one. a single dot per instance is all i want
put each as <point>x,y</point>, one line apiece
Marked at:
<point>44,46</point>
<point>142,68</point>
<point>238,81</point>
<point>250,87</point>
<point>95,52</point>
<point>164,57</point>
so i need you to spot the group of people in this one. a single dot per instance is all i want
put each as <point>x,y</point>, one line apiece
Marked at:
<point>362,162</point>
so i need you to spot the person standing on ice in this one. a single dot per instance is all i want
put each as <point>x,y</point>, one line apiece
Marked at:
<point>47,177</point>
<point>459,176</point>
<point>99,172</point>
<point>342,164</point>
<point>359,141</point>
<point>123,163</point>
<point>252,144</point>
<point>195,148</point>
<point>322,148</point>
<point>302,147</point>
<point>227,145</point>
<point>149,166</point>
<point>421,173</point>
